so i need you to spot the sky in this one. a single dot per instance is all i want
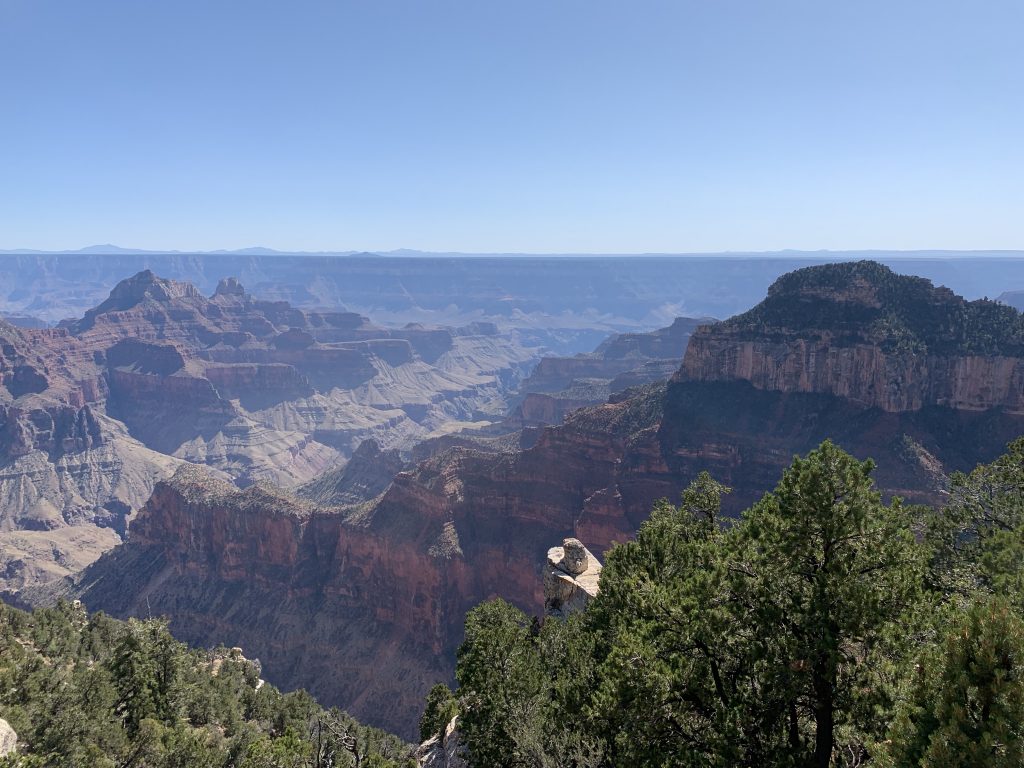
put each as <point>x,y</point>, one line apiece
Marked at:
<point>512,126</point>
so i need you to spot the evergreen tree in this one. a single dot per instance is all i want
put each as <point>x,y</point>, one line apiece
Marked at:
<point>92,691</point>
<point>671,666</point>
<point>967,708</point>
<point>822,570</point>
<point>439,710</point>
<point>782,639</point>
<point>505,684</point>
<point>978,536</point>
<point>147,671</point>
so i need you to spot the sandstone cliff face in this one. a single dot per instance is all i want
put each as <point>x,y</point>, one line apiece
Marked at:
<point>70,477</point>
<point>537,408</point>
<point>364,605</point>
<point>69,486</point>
<point>248,374</point>
<point>889,366</point>
<point>861,373</point>
<point>353,613</point>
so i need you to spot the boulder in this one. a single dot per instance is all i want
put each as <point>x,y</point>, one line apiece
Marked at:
<point>575,558</point>
<point>570,579</point>
<point>8,739</point>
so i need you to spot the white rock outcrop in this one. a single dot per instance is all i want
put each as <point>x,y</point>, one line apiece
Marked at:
<point>8,738</point>
<point>570,578</point>
<point>443,750</point>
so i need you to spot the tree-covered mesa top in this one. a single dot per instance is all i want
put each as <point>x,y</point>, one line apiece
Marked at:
<point>825,627</point>
<point>866,302</point>
<point>91,692</point>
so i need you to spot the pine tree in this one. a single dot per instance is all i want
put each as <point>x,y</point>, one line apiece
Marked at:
<point>978,536</point>
<point>822,569</point>
<point>967,709</point>
<point>671,666</point>
<point>505,685</point>
<point>438,711</point>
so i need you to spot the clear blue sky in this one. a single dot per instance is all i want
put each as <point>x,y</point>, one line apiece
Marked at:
<point>512,125</point>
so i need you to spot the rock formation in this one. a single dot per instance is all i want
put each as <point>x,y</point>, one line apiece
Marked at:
<point>888,366</point>
<point>364,604</point>
<point>570,579</point>
<point>94,413</point>
<point>71,476</point>
<point>358,611</point>
<point>366,475</point>
<point>559,385</point>
<point>8,739</point>
<point>443,750</point>
<point>862,333</point>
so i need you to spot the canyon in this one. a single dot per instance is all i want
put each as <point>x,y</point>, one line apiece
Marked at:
<point>95,412</point>
<point>558,385</point>
<point>356,586</point>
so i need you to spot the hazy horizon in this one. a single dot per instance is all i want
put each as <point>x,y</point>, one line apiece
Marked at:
<point>116,250</point>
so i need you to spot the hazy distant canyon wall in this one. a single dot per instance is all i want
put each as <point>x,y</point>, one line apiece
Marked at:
<point>610,293</point>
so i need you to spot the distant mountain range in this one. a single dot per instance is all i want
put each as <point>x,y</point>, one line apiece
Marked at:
<point>572,303</point>
<point>116,250</point>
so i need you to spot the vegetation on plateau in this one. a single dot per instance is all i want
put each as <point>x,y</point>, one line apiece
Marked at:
<point>825,627</point>
<point>865,301</point>
<point>89,691</point>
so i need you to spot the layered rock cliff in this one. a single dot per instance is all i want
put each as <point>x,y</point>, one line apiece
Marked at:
<point>865,334</point>
<point>359,614</point>
<point>70,476</point>
<point>94,413</point>
<point>366,475</point>
<point>364,604</point>
<point>888,365</point>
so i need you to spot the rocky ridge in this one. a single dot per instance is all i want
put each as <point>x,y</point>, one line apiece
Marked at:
<point>364,604</point>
